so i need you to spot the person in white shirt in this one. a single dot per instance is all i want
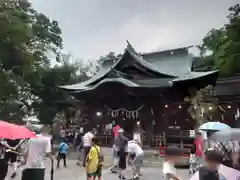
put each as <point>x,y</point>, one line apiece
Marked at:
<point>37,148</point>
<point>172,156</point>
<point>87,143</point>
<point>135,148</point>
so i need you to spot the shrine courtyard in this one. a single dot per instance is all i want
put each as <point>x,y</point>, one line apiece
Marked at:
<point>74,172</point>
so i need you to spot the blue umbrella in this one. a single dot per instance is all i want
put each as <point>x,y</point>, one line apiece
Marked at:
<point>214,126</point>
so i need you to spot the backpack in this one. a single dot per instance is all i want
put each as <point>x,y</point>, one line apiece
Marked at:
<point>100,156</point>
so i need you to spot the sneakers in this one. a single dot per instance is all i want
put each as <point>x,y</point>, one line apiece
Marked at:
<point>191,171</point>
<point>134,178</point>
<point>13,175</point>
<point>121,177</point>
<point>113,171</point>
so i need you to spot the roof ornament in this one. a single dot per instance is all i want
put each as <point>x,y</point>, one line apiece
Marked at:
<point>130,48</point>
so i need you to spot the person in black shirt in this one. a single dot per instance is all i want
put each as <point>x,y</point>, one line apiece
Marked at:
<point>210,171</point>
<point>3,160</point>
<point>11,156</point>
<point>78,143</point>
<point>121,146</point>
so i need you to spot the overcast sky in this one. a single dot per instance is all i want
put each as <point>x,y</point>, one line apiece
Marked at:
<point>92,28</point>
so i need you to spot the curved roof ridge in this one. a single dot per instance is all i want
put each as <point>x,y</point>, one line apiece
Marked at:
<point>124,81</point>
<point>99,74</point>
<point>148,65</point>
<point>166,50</point>
<point>193,75</point>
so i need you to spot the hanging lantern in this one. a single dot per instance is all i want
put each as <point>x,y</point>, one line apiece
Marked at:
<point>222,117</point>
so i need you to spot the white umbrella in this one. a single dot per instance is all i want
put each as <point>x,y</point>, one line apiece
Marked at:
<point>214,126</point>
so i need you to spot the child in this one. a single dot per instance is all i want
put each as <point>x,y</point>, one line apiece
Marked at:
<point>210,171</point>
<point>62,154</point>
<point>172,156</point>
<point>94,161</point>
<point>80,156</point>
<point>114,167</point>
<point>137,161</point>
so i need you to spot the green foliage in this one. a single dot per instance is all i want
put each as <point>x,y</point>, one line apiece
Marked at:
<point>48,91</point>
<point>26,38</point>
<point>203,104</point>
<point>224,45</point>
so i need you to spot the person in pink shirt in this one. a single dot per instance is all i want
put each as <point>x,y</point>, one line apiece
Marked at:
<point>197,152</point>
<point>115,130</point>
<point>199,143</point>
<point>114,167</point>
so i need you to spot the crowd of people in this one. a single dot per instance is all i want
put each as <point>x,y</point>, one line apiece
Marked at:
<point>125,151</point>
<point>204,163</point>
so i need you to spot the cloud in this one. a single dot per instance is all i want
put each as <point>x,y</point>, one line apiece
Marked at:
<point>92,28</point>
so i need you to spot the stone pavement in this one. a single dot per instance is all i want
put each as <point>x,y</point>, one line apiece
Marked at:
<point>73,172</point>
<point>151,157</point>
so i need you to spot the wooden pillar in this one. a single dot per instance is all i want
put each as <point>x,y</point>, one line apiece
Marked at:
<point>149,127</point>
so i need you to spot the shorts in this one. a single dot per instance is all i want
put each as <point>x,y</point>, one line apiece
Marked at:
<point>122,159</point>
<point>138,162</point>
<point>115,153</point>
<point>98,173</point>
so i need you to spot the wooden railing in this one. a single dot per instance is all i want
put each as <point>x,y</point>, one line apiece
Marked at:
<point>157,140</point>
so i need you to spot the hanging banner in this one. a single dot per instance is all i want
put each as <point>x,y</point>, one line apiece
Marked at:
<point>124,112</point>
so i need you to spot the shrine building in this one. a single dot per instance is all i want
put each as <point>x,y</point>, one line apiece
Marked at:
<point>148,87</point>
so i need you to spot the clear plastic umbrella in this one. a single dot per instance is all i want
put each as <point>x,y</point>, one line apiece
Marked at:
<point>227,135</point>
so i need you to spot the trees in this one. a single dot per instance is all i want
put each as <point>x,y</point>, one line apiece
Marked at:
<point>203,104</point>
<point>222,46</point>
<point>26,39</point>
<point>227,58</point>
<point>48,91</point>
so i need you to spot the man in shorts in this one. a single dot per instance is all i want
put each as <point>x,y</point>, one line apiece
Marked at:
<point>137,161</point>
